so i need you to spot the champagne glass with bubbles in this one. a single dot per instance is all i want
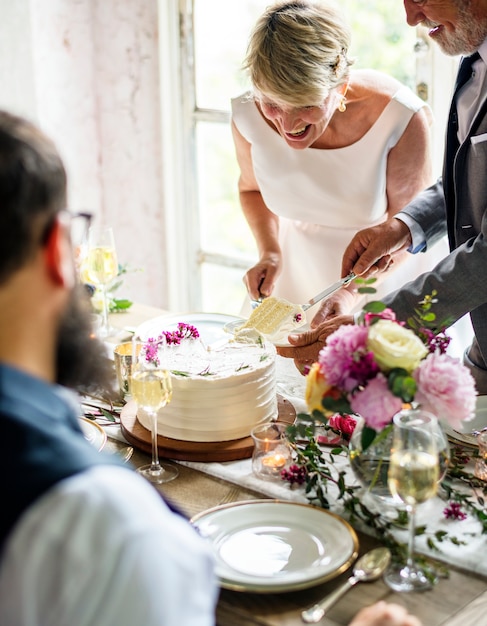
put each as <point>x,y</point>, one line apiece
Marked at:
<point>102,267</point>
<point>413,477</point>
<point>151,388</point>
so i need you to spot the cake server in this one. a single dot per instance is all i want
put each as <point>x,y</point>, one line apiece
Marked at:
<point>343,282</point>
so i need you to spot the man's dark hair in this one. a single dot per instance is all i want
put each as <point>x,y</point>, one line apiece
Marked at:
<point>32,190</point>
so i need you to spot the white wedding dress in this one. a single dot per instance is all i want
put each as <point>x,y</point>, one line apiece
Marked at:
<point>323,197</point>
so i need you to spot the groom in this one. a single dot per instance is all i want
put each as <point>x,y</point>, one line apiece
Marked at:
<point>456,205</point>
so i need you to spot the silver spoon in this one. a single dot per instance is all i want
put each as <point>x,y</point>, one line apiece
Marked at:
<point>369,567</point>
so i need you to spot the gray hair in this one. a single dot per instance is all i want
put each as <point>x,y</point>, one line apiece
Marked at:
<point>297,51</point>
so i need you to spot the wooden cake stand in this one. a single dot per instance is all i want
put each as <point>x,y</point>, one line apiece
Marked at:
<point>140,437</point>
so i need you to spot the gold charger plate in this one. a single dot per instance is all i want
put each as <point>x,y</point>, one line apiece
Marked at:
<point>270,546</point>
<point>93,433</point>
<point>464,434</point>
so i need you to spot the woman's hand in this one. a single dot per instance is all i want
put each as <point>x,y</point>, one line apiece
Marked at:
<point>260,278</point>
<point>306,346</point>
<point>384,614</point>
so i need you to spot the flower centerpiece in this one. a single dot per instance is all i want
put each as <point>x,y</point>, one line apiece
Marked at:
<point>365,374</point>
<point>378,366</point>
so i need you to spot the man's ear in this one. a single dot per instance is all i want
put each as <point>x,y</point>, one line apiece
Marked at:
<point>59,256</point>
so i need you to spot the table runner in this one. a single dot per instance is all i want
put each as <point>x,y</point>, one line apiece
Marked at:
<point>291,385</point>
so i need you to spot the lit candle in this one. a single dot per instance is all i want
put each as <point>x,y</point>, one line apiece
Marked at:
<point>274,461</point>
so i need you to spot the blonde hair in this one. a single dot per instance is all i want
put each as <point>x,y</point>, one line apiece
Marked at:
<point>297,51</point>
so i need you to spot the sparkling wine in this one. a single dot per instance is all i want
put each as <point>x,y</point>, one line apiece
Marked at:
<point>101,264</point>
<point>151,389</point>
<point>413,475</point>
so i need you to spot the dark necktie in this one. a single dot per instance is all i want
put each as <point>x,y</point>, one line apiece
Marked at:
<point>464,74</point>
<point>465,70</point>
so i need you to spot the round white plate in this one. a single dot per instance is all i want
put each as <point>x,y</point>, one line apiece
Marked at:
<point>231,327</point>
<point>93,432</point>
<point>464,433</point>
<point>209,325</point>
<point>269,546</point>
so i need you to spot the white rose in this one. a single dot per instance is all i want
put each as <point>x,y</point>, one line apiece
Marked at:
<point>395,346</point>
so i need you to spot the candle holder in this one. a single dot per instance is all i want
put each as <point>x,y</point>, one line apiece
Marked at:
<point>123,357</point>
<point>272,452</point>
<point>480,470</point>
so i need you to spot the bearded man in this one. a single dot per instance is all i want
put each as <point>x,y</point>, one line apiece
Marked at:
<point>84,540</point>
<point>455,205</point>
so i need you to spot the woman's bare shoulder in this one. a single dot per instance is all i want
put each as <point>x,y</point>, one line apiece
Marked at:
<point>374,83</point>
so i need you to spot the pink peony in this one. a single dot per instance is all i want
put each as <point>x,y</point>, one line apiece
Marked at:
<point>375,403</point>
<point>345,360</point>
<point>446,388</point>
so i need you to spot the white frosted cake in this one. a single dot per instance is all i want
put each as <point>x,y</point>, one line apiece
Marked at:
<point>218,395</point>
<point>274,318</point>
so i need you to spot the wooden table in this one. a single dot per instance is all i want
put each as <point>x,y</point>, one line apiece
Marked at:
<point>460,600</point>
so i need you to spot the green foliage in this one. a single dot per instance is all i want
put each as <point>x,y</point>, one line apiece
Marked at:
<point>119,304</point>
<point>326,484</point>
<point>381,38</point>
<point>402,384</point>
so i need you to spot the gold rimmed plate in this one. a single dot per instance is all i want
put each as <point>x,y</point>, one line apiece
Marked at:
<point>270,546</point>
<point>464,435</point>
<point>93,433</point>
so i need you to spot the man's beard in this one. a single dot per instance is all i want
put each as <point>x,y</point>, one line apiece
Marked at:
<point>82,360</point>
<point>469,34</point>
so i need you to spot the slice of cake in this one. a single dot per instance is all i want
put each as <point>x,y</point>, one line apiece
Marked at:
<point>274,318</point>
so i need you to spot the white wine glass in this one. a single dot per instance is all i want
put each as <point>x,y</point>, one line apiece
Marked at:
<point>151,388</point>
<point>413,478</point>
<point>101,268</point>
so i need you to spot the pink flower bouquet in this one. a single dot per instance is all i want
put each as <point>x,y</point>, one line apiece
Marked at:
<point>377,366</point>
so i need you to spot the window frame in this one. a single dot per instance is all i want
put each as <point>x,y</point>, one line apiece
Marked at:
<point>179,118</point>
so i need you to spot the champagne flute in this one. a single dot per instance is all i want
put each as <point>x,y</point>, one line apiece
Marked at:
<point>413,478</point>
<point>151,388</point>
<point>102,267</point>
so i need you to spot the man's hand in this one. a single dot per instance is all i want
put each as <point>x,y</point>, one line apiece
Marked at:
<point>373,249</point>
<point>340,303</point>
<point>384,614</point>
<point>307,345</point>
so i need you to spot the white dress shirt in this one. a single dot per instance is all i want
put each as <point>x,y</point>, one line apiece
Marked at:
<point>468,103</point>
<point>103,549</point>
<point>468,100</point>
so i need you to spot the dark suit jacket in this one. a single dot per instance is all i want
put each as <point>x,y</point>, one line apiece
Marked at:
<point>457,208</point>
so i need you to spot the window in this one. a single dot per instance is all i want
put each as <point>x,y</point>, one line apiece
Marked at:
<point>210,245</point>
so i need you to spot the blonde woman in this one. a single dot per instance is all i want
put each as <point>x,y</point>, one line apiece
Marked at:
<point>323,151</point>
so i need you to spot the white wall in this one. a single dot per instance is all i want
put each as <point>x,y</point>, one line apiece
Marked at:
<point>87,72</point>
